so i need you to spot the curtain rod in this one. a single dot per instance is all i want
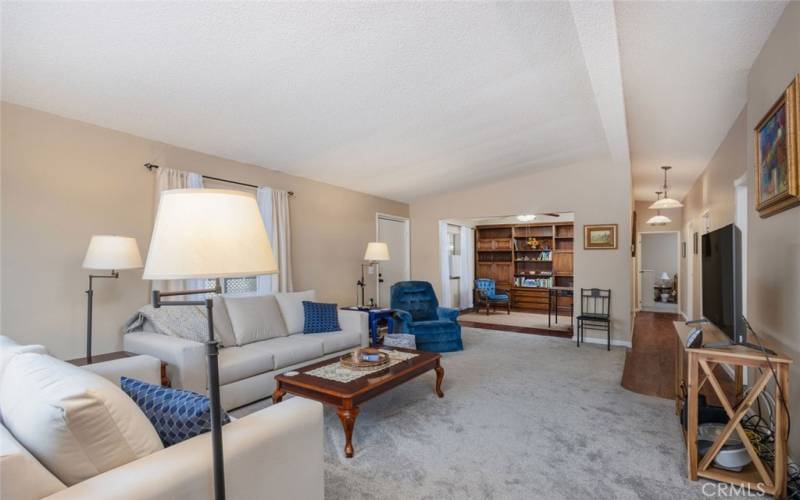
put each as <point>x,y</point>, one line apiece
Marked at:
<point>150,166</point>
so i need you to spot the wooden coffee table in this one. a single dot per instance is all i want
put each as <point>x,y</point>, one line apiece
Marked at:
<point>346,397</point>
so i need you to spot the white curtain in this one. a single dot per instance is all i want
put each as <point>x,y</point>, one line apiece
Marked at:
<point>467,266</point>
<point>274,207</point>
<point>445,299</point>
<point>170,178</point>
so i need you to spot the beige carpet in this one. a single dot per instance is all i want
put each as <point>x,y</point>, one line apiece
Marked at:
<point>524,417</point>
<point>527,320</point>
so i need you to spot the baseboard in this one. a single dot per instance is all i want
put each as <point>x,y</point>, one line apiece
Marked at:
<point>599,340</point>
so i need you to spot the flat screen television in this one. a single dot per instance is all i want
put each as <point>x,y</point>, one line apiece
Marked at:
<point>722,281</point>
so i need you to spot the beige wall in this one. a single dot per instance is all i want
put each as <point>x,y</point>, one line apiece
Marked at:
<point>773,295</point>
<point>63,180</point>
<point>598,193</point>
<point>773,244</point>
<point>713,194</point>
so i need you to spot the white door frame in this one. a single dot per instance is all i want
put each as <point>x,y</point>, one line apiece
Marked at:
<point>407,271</point>
<point>639,264</point>
<point>689,313</point>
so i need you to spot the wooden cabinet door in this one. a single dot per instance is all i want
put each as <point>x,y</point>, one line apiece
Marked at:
<point>503,274</point>
<point>562,263</point>
<point>485,245</point>
<point>484,270</point>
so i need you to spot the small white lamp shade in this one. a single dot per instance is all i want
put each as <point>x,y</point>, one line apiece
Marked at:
<point>664,276</point>
<point>113,253</point>
<point>376,251</point>
<point>659,220</point>
<point>208,233</point>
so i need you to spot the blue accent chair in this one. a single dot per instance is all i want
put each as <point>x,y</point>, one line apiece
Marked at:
<point>436,329</point>
<point>486,294</point>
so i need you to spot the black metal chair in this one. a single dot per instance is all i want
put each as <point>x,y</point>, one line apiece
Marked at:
<point>595,312</point>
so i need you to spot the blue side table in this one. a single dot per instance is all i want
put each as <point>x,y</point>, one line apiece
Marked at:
<point>375,317</point>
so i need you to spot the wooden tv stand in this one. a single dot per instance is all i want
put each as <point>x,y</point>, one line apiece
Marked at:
<point>695,372</point>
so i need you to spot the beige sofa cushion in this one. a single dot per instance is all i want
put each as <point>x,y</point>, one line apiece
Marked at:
<point>21,476</point>
<point>294,349</point>
<point>255,318</point>
<point>75,422</point>
<point>291,305</point>
<point>223,328</point>
<point>237,363</point>
<point>336,341</point>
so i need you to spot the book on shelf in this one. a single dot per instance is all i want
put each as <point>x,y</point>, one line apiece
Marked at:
<point>533,282</point>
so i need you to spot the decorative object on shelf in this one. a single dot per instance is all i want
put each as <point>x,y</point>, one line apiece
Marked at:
<point>666,201</point>
<point>186,221</point>
<point>526,218</point>
<point>776,154</point>
<point>658,219</point>
<point>599,236</point>
<point>377,251</point>
<point>111,253</point>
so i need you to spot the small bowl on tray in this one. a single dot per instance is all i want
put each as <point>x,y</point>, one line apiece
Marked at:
<point>356,360</point>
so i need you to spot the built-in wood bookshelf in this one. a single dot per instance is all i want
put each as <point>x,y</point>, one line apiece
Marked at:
<point>527,260</point>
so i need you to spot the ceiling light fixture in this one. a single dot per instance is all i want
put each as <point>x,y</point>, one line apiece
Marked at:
<point>666,201</point>
<point>525,218</point>
<point>658,219</point>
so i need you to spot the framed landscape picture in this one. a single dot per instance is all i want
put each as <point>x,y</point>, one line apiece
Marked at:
<point>599,236</point>
<point>776,155</point>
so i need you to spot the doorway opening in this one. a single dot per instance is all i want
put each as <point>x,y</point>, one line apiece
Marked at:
<point>658,258</point>
<point>527,260</point>
<point>395,232</point>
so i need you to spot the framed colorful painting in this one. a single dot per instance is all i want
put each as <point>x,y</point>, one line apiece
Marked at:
<point>599,236</point>
<point>776,155</point>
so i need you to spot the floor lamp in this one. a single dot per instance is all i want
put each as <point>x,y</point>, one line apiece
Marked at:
<point>377,251</point>
<point>109,253</point>
<point>207,234</point>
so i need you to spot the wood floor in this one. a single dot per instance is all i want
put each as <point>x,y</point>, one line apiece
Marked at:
<point>650,363</point>
<point>519,322</point>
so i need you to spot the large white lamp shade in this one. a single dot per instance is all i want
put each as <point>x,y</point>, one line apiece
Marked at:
<point>664,203</point>
<point>376,251</point>
<point>113,253</point>
<point>208,233</point>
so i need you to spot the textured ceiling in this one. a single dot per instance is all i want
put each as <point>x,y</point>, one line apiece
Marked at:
<point>395,99</point>
<point>685,67</point>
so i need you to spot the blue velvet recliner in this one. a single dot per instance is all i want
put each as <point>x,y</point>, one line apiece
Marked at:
<point>436,329</point>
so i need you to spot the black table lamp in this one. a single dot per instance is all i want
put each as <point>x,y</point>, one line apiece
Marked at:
<point>108,253</point>
<point>207,234</point>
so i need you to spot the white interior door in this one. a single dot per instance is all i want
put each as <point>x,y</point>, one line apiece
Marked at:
<point>394,231</point>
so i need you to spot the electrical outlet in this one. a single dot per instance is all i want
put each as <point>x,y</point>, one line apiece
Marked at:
<point>370,270</point>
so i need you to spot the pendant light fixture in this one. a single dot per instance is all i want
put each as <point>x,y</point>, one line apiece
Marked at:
<point>666,201</point>
<point>658,219</point>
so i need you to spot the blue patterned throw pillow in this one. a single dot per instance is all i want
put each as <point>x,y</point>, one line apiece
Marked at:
<point>177,415</point>
<point>320,317</point>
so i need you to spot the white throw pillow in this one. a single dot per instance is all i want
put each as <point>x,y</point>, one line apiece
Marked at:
<point>291,305</point>
<point>75,422</point>
<point>9,348</point>
<point>255,318</point>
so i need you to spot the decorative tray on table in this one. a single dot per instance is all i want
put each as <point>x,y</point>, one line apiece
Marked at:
<point>364,359</point>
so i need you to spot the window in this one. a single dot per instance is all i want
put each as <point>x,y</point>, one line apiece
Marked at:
<point>236,286</point>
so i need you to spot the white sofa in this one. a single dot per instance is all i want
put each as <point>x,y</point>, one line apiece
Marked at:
<point>247,364</point>
<point>275,452</point>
